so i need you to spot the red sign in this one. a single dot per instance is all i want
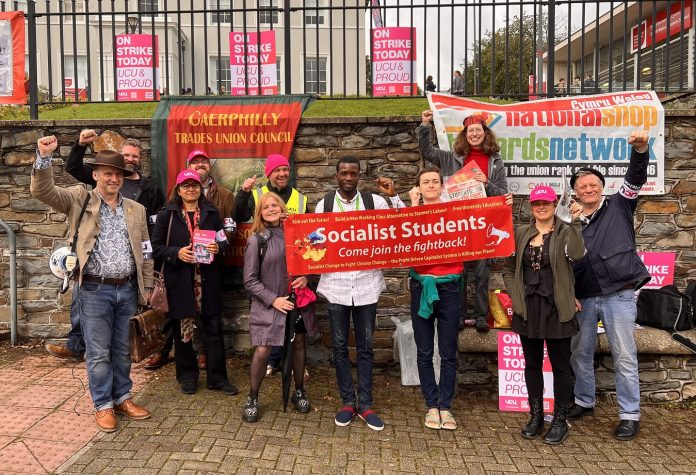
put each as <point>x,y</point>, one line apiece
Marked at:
<point>512,386</point>
<point>137,68</point>
<point>12,81</point>
<point>253,63</point>
<point>661,268</point>
<point>393,61</point>
<point>432,234</point>
<point>72,90</point>
<point>648,37</point>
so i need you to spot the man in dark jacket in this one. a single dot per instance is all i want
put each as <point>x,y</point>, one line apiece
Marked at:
<point>605,284</point>
<point>137,187</point>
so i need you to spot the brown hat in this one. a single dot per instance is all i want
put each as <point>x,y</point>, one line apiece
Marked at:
<point>112,159</point>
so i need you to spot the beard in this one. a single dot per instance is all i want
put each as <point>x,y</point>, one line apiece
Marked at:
<point>133,168</point>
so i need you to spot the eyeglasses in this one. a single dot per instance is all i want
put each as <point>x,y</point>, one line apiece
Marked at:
<point>199,161</point>
<point>474,131</point>
<point>189,186</point>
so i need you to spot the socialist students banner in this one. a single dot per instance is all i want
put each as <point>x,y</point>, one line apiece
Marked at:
<point>137,68</point>
<point>406,237</point>
<point>541,139</point>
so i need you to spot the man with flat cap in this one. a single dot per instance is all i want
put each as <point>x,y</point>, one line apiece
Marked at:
<point>114,272</point>
<point>277,171</point>
<point>605,284</point>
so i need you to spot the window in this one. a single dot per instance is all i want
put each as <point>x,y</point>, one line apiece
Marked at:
<point>75,80</point>
<point>17,6</point>
<point>220,74</point>
<point>221,11</point>
<point>148,6</point>
<point>315,72</point>
<point>312,15</point>
<point>79,6</point>
<point>268,16</point>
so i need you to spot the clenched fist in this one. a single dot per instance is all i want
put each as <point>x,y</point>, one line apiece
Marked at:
<point>639,139</point>
<point>87,136</point>
<point>47,145</point>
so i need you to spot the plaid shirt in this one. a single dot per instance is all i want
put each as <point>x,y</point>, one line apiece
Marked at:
<point>357,288</point>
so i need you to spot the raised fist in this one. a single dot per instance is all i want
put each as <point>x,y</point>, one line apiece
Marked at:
<point>639,139</point>
<point>426,117</point>
<point>47,145</point>
<point>88,136</point>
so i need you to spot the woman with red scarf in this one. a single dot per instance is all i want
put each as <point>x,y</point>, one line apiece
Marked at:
<point>477,143</point>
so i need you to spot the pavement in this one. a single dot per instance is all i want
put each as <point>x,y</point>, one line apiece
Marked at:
<point>47,426</point>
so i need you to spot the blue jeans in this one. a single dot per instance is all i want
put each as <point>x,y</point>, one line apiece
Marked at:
<point>364,318</point>
<point>446,311</point>
<point>105,312</point>
<point>617,311</point>
<point>76,343</point>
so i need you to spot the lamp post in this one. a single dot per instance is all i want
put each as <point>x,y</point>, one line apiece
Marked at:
<point>133,22</point>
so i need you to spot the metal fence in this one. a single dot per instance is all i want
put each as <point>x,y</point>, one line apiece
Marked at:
<point>503,49</point>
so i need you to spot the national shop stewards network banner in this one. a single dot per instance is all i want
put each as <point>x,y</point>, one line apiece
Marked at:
<point>541,139</point>
<point>406,237</point>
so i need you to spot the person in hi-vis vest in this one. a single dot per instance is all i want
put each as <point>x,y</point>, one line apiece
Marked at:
<point>277,171</point>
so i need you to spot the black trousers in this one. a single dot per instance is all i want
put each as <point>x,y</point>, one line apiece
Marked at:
<point>559,355</point>
<point>185,357</point>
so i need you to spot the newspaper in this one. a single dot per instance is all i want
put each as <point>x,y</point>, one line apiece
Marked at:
<point>563,208</point>
<point>462,186</point>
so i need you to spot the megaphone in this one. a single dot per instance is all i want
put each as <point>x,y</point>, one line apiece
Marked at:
<point>62,264</point>
<point>498,233</point>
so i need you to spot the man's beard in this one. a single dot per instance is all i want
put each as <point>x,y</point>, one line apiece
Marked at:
<point>203,175</point>
<point>133,168</point>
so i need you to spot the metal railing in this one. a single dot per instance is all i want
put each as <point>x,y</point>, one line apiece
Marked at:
<point>501,48</point>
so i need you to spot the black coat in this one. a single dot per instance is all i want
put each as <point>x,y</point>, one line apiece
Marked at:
<point>178,275</point>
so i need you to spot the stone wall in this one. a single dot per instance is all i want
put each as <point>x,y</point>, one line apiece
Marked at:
<point>385,146</point>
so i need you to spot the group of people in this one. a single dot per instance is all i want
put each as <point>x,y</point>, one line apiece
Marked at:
<point>563,278</point>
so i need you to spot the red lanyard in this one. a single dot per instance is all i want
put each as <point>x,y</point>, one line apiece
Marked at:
<point>192,225</point>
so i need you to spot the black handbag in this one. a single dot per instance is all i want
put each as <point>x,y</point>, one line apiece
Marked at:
<point>669,309</point>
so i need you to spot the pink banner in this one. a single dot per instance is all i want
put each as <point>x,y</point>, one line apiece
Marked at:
<point>394,61</point>
<point>661,268</point>
<point>512,387</point>
<point>253,63</point>
<point>135,80</point>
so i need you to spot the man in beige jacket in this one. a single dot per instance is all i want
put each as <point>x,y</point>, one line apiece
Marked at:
<point>115,272</point>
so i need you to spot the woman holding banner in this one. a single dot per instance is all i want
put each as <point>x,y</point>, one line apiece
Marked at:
<point>476,142</point>
<point>539,278</point>
<point>267,281</point>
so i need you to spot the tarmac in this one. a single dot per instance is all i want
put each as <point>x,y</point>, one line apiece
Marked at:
<point>47,426</point>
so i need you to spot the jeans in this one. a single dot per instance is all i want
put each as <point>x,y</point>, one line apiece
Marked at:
<point>482,271</point>
<point>559,356</point>
<point>364,319</point>
<point>105,312</point>
<point>76,342</point>
<point>617,311</point>
<point>446,312</point>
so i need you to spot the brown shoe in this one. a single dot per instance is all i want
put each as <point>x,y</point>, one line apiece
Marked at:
<point>106,420</point>
<point>62,352</point>
<point>156,361</point>
<point>201,362</point>
<point>130,409</point>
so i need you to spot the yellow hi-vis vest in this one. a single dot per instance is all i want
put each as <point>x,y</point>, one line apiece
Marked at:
<point>296,204</point>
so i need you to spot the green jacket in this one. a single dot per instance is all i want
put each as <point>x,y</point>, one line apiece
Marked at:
<point>566,246</point>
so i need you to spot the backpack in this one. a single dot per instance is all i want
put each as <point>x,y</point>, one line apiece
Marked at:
<point>330,198</point>
<point>669,309</point>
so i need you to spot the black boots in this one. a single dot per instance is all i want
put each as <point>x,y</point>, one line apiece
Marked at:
<point>536,419</point>
<point>558,432</point>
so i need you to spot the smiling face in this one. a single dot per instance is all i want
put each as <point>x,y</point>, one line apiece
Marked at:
<point>200,165</point>
<point>348,176</point>
<point>588,189</point>
<point>109,180</point>
<point>189,191</point>
<point>475,134</point>
<point>271,210</point>
<point>430,186</point>
<point>543,210</point>
<point>280,177</point>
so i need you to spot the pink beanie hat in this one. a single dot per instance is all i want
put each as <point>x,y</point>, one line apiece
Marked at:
<point>274,161</point>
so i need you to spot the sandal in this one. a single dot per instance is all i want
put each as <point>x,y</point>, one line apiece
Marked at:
<point>448,422</point>
<point>432,419</point>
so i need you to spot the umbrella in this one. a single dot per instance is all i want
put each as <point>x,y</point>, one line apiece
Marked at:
<point>292,317</point>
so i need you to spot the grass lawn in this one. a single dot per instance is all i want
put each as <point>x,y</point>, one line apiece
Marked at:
<point>375,107</point>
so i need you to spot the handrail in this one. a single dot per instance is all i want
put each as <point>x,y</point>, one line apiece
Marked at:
<point>13,281</point>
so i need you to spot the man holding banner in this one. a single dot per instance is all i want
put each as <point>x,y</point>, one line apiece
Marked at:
<point>475,143</point>
<point>353,293</point>
<point>605,284</point>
